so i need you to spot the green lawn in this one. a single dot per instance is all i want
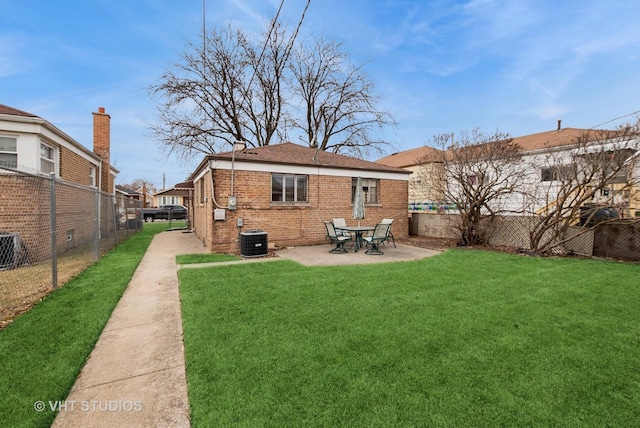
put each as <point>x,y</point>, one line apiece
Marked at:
<point>185,259</point>
<point>43,351</point>
<point>466,338</point>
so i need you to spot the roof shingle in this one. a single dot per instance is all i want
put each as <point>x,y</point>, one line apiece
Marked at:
<point>10,111</point>
<point>294,154</point>
<point>541,140</point>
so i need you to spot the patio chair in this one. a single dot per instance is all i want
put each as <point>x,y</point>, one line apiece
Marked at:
<point>380,234</point>
<point>390,235</point>
<point>338,223</point>
<point>339,241</point>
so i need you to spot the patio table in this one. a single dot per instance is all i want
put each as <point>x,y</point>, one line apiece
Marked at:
<point>358,231</point>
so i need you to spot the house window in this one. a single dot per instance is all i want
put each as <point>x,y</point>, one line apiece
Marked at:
<point>555,173</point>
<point>47,163</point>
<point>9,152</point>
<point>547,174</point>
<point>369,187</point>
<point>169,200</point>
<point>289,188</point>
<point>92,176</point>
<point>201,190</point>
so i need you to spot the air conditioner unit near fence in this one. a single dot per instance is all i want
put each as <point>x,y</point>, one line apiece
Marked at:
<point>9,250</point>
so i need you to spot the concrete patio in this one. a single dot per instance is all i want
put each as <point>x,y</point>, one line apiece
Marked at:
<point>318,255</point>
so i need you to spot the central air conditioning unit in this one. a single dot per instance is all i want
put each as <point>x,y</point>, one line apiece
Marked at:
<point>253,243</point>
<point>9,248</point>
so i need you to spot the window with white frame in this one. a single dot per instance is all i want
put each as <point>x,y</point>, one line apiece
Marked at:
<point>92,176</point>
<point>9,152</point>
<point>289,188</point>
<point>168,200</point>
<point>369,188</point>
<point>47,159</point>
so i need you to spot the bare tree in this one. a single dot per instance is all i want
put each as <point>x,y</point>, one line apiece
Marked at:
<point>234,88</point>
<point>480,174</point>
<point>227,90</point>
<point>337,100</point>
<point>580,180</point>
<point>139,183</point>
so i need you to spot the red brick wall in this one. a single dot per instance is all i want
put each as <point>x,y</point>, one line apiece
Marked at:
<point>289,224</point>
<point>102,146</point>
<point>74,167</point>
<point>25,209</point>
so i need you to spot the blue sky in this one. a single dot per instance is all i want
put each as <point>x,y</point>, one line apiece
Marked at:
<point>440,66</point>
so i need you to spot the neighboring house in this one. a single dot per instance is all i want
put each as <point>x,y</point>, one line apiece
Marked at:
<point>546,154</point>
<point>31,144</point>
<point>179,194</point>
<point>287,191</point>
<point>31,149</point>
<point>541,151</point>
<point>128,193</point>
<point>426,167</point>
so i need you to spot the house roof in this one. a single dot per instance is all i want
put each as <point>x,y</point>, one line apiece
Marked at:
<point>180,189</point>
<point>294,154</point>
<point>184,185</point>
<point>4,109</point>
<point>127,190</point>
<point>562,137</point>
<point>541,140</point>
<point>410,157</point>
<point>26,117</point>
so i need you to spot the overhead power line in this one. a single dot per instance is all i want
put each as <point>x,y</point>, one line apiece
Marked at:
<point>635,113</point>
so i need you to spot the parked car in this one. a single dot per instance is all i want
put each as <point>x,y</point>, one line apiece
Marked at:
<point>165,212</point>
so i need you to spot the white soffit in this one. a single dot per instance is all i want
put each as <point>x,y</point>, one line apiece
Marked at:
<point>307,170</point>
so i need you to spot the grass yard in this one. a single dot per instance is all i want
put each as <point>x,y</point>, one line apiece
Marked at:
<point>466,338</point>
<point>185,259</point>
<point>43,351</point>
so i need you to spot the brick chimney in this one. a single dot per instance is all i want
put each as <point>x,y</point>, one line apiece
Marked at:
<point>102,146</point>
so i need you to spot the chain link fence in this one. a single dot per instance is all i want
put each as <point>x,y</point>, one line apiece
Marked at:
<point>51,230</point>
<point>616,239</point>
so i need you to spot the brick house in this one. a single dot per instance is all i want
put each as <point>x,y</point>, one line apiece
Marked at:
<point>31,149</point>
<point>176,195</point>
<point>31,144</point>
<point>287,190</point>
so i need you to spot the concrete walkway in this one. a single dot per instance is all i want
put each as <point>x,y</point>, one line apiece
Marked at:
<point>135,376</point>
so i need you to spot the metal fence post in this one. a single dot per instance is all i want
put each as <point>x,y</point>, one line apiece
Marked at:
<point>54,233</point>
<point>114,223</point>
<point>96,254</point>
